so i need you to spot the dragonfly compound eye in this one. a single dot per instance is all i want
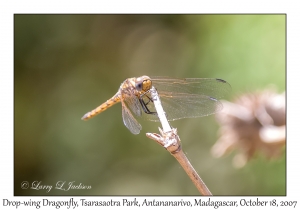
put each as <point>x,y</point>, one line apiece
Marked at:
<point>139,85</point>
<point>147,84</point>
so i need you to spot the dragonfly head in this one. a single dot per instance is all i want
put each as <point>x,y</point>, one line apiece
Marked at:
<point>143,83</point>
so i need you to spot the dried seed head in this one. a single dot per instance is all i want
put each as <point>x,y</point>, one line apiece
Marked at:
<point>254,122</point>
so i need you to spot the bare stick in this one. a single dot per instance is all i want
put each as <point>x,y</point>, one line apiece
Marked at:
<point>160,111</point>
<point>169,139</point>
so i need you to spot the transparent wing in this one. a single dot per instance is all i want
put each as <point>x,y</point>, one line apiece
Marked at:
<point>129,121</point>
<point>188,98</point>
<point>182,105</point>
<point>134,105</point>
<point>132,101</point>
<point>216,88</point>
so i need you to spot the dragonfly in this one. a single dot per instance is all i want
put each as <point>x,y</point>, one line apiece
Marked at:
<point>180,98</point>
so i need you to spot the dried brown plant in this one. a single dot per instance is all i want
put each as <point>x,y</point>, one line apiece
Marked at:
<point>254,122</point>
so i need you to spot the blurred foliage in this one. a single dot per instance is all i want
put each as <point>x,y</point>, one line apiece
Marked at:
<point>66,65</point>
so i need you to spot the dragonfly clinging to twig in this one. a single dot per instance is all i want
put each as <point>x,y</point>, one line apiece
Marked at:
<point>181,98</point>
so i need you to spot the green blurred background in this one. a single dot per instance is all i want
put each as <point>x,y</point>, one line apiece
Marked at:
<point>66,65</point>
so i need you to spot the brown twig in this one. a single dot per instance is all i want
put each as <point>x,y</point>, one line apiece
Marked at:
<point>169,139</point>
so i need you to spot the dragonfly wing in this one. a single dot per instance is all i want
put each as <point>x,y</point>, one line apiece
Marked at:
<point>183,105</point>
<point>188,98</point>
<point>129,121</point>
<point>132,102</point>
<point>216,88</point>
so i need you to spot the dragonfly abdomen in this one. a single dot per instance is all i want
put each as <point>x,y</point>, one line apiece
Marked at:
<point>110,102</point>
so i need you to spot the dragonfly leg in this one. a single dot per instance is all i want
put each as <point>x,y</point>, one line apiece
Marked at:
<point>145,94</point>
<point>144,106</point>
<point>150,99</point>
